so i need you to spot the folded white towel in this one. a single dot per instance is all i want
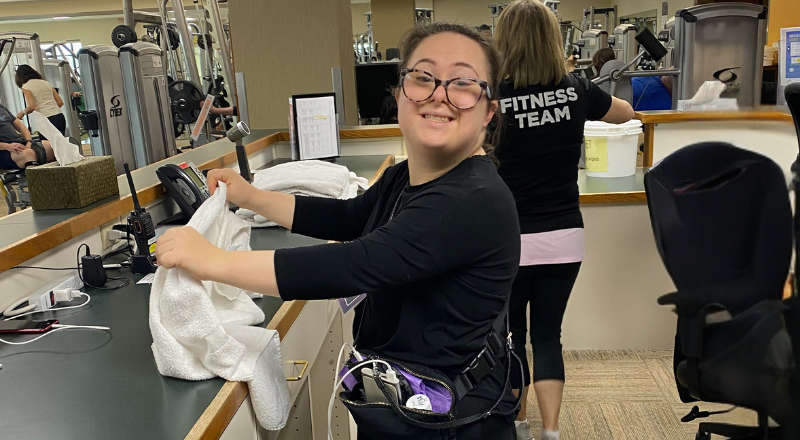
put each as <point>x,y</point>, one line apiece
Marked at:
<point>314,178</point>
<point>203,329</point>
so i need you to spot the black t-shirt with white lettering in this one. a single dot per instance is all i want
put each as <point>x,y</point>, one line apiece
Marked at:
<point>541,147</point>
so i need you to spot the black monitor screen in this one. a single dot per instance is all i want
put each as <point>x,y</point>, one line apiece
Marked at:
<point>373,82</point>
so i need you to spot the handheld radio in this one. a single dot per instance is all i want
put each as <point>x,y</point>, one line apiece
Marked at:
<point>144,232</point>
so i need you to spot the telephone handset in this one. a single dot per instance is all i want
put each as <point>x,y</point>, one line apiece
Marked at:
<point>185,184</point>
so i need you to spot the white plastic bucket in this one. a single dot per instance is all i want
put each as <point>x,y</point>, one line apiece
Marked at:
<point>611,149</point>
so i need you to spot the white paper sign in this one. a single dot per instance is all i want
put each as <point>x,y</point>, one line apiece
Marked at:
<point>317,129</point>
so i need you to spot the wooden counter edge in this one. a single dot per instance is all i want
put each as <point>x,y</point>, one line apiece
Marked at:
<point>35,245</point>
<point>220,412</point>
<point>739,115</point>
<point>634,196</point>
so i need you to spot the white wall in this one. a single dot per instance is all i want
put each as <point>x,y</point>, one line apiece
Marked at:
<point>359,19</point>
<point>87,31</point>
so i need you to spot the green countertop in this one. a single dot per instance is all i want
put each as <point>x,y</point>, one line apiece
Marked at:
<point>88,384</point>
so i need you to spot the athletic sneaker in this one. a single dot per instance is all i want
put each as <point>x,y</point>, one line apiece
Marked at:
<point>523,430</point>
<point>550,435</point>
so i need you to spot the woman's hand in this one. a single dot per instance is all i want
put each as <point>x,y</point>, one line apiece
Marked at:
<point>20,115</point>
<point>240,192</point>
<point>185,248</point>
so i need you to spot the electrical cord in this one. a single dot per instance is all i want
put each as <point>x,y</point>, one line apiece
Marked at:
<point>57,327</point>
<point>88,298</point>
<point>125,281</point>
<point>45,268</point>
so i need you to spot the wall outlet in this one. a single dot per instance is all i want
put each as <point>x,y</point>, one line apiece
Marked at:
<point>107,240</point>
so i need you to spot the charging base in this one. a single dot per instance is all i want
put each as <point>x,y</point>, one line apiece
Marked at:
<point>142,264</point>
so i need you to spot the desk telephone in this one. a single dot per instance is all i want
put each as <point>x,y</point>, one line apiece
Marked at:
<point>185,184</point>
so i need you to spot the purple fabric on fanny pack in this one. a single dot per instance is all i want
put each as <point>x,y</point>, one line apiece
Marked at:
<point>439,396</point>
<point>349,381</point>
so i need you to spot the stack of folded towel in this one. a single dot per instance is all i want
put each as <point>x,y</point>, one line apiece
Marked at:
<point>306,178</point>
<point>203,329</point>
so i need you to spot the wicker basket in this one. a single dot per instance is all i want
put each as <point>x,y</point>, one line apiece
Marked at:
<point>72,186</point>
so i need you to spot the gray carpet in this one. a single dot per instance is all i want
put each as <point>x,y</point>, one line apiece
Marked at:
<point>625,395</point>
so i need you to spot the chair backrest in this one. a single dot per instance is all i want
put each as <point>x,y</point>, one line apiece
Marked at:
<point>792,94</point>
<point>392,53</point>
<point>722,224</point>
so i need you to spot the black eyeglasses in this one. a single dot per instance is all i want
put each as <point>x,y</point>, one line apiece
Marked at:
<point>462,93</point>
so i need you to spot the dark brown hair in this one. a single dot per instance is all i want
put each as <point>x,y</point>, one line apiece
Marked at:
<point>414,37</point>
<point>601,57</point>
<point>24,74</point>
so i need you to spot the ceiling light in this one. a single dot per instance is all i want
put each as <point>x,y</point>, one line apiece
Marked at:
<point>61,18</point>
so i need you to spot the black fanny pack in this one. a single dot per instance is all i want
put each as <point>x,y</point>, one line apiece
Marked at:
<point>392,419</point>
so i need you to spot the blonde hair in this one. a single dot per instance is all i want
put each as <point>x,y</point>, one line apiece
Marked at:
<point>528,37</point>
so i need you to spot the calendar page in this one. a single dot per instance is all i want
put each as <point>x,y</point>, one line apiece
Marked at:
<point>317,128</point>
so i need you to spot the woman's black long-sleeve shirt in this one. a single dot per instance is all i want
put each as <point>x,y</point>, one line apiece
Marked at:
<point>436,276</point>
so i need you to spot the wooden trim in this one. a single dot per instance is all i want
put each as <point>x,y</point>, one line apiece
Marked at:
<point>389,161</point>
<point>638,196</point>
<point>33,246</point>
<point>649,137</point>
<point>654,117</point>
<point>285,317</point>
<point>366,133</point>
<point>220,412</point>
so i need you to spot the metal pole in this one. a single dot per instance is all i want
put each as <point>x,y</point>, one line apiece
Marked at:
<point>127,13</point>
<point>13,42</point>
<point>186,39</point>
<point>224,48</point>
<point>591,18</point>
<point>583,20</point>
<point>162,10</point>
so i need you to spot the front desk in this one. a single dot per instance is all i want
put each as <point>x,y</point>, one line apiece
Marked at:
<point>91,384</point>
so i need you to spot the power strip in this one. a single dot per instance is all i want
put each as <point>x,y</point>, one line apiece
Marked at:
<point>42,295</point>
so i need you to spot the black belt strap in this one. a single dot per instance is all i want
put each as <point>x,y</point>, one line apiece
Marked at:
<point>495,349</point>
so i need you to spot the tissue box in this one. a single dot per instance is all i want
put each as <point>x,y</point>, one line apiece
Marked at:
<point>72,186</point>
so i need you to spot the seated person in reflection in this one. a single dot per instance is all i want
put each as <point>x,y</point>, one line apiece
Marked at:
<point>601,57</point>
<point>652,92</point>
<point>16,146</point>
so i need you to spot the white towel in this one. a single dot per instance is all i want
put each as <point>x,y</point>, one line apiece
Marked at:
<point>203,329</point>
<point>314,178</point>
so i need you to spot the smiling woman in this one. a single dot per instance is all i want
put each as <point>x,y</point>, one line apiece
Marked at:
<point>434,243</point>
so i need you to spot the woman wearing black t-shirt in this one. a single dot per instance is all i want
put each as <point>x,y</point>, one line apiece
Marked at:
<point>544,111</point>
<point>434,243</point>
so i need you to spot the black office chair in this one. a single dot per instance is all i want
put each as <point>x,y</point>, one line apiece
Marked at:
<point>792,311</point>
<point>723,227</point>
